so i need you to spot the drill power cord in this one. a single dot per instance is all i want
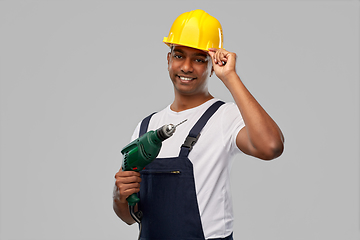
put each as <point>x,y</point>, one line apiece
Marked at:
<point>137,216</point>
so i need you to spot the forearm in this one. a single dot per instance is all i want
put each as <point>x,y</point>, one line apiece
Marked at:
<point>122,209</point>
<point>263,133</point>
<point>261,136</point>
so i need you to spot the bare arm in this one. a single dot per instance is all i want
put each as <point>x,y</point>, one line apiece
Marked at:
<point>127,183</point>
<point>261,137</point>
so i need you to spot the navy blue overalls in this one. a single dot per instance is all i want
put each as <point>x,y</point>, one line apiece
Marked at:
<point>167,191</point>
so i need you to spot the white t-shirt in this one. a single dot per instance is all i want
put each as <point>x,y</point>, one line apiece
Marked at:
<point>211,159</point>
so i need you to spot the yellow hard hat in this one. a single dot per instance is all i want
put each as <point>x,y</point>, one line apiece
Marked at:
<point>196,29</point>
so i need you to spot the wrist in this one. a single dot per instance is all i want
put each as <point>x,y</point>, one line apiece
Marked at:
<point>230,78</point>
<point>116,196</point>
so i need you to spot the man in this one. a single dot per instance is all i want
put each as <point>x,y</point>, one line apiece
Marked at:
<point>185,192</point>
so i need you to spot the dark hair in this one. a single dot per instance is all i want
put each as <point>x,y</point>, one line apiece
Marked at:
<point>172,46</point>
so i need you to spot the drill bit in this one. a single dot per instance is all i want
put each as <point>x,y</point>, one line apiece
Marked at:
<point>180,123</point>
<point>168,130</point>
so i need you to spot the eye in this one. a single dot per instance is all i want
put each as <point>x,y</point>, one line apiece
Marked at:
<point>177,56</point>
<point>200,60</point>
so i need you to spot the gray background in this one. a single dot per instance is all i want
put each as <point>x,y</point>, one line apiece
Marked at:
<point>77,76</point>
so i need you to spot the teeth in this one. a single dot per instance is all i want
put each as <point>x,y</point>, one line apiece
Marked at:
<point>185,78</point>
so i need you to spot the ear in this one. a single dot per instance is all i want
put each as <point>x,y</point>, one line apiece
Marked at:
<point>210,64</point>
<point>212,71</point>
<point>168,57</point>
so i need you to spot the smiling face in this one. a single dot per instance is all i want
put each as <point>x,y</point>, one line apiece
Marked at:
<point>189,69</point>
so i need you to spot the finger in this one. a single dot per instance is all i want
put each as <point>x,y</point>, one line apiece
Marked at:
<point>128,180</point>
<point>223,59</point>
<point>218,56</point>
<point>122,173</point>
<point>124,190</point>
<point>212,55</point>
<point>218,61</point>
<point>124,193</point>
<point>129,189</point>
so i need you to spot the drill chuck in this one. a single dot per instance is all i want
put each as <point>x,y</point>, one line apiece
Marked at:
<point>165,131</point>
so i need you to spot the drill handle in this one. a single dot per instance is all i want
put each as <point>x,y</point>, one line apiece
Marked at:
<point>133,199</point>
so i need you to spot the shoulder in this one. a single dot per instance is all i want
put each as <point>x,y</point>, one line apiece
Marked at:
<point>229,110</point>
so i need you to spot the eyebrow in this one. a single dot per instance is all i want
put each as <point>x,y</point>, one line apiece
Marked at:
<point>195,54</point>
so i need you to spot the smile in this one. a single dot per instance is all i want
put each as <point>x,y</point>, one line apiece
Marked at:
<point>185,78</point>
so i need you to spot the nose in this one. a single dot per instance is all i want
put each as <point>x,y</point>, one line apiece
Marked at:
<point>187,67</point>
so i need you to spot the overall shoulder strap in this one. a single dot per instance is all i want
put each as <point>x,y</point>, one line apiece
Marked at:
<point>145,124</point>
<point>194,133</point>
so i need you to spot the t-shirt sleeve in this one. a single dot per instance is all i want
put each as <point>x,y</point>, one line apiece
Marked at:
<point>135,134</point>
<point>232,124</point>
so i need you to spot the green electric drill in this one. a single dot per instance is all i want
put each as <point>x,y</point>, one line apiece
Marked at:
<point>141,152</point>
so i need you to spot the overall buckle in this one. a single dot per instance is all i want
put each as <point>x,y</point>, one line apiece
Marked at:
<point>190,142</point>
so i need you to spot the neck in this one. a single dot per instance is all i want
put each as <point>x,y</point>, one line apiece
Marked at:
<point>182,102</point>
